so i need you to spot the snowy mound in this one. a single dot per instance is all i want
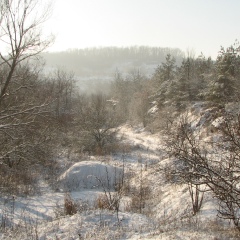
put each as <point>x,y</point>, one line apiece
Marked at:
<point>90,174</point>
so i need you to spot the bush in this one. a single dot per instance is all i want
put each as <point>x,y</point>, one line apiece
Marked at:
<point>70,207</point>
<point>16,181</point>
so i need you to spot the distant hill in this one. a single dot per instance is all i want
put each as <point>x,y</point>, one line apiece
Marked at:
<point>95,65</point>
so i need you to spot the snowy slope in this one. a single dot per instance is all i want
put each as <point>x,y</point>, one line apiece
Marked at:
<point>168,215</point>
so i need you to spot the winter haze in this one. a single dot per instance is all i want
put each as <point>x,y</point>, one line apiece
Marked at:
<point>203,25</point>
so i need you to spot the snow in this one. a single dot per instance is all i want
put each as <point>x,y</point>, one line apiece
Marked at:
<point>217,122</point>
<point>169,216</point>
<point>154,108</point>
<point>90,174</point>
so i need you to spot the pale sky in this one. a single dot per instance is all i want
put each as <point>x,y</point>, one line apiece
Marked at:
<point>199,25</point>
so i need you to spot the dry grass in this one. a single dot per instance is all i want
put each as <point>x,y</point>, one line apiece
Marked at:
<point>104,202</point>
<point>70,207</point>
<point>17,181</point>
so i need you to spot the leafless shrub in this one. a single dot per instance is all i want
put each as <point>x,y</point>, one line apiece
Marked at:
<point>97,124</point>
<point>111,200</point>
<point>16,181</point>
<point>196,195</point>
<point>163,117</point>
<point>216,167</point>
<point>83,205</point>
<point>102,202</point>
<point>139,198</point>
<point>70,207</point>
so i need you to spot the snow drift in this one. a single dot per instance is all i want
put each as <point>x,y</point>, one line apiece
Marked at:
<point>90,174</point>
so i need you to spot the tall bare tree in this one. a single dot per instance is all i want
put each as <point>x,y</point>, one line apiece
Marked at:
<point>23,103</point>
<point>20,36</point>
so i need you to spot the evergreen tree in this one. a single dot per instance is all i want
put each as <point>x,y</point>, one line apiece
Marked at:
<point>224,87</point>
<point>163,77</point>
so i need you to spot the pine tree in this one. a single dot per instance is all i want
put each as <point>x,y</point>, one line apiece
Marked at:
<point>225,85</point>
<point>163,77</point>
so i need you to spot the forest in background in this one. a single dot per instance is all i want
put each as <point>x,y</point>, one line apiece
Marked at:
<point>95,68</point>
<point>104,61</point>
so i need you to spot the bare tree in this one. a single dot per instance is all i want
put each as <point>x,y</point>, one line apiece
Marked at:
<point>61,85</point>
<point>23,102</point>
<point>111,200</point>
<point>20,36</point>
<point>97,122</point>
<point>216,167</point>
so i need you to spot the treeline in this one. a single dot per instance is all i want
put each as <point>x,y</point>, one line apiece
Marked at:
<point>176,86</point>
<point>200,78</point>
<point>102,61</point>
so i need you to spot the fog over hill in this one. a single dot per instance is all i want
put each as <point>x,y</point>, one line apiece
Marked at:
<point>94,67</point>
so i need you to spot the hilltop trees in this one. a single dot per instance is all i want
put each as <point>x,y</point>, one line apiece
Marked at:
<point>176,85</point>
<point>99,61</point>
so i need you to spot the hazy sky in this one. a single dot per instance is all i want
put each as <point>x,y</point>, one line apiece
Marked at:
<point>202,25</point>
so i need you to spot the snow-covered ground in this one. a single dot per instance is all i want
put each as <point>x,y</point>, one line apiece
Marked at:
<point>167,215</point>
